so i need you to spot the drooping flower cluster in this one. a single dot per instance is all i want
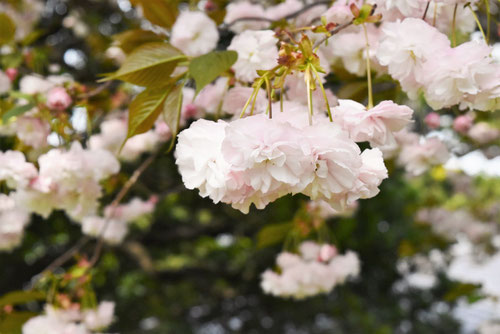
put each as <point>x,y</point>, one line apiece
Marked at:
<point>71,321</point>
<point>257,160</point>
<point>316,270</point>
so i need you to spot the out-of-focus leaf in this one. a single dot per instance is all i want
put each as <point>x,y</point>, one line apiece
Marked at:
<point>204,69</point>
<point>273,234</point>
<point>13,323</point>
<point>7,29</point>
<point>16,111</point>
<point>145,109</point>
<point>460,290</point>
<point>159,12</point>
<point>20,297</point>
<point>130,40</point>
<point>354,91</point>
<point>172,111</point>
<point>149,65</point>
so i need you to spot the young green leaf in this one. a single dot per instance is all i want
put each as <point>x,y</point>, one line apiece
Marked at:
<point>130,40</point>
<point>149,65</point>
<point>172,111</point>
<point>159,12</point>
<point>204,69</point>
<point>7,29</point>
<point>145,109</point>
<point>16,111</point>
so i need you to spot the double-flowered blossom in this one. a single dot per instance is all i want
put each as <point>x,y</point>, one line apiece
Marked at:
<point>420,57</point>
<point>68,180</point>
<point>15,170</point>
<point>375,125</point>
<point>257,50</point>
<point>257,160</point>
<point>405,47</point>
<point>12,222</point>
<point>420,154</point>
<point>72,321</point>
<point>194,33</point>
<point>315,270</point>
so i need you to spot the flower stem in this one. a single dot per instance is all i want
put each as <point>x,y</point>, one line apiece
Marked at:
<point>269,97</point>
<point>488,19</point>
<point>324,94</point>
<point>478,24</point>
<point>248,102</point>
<point>453,27</point>
<point>368,69</point>
<point>309,94</point>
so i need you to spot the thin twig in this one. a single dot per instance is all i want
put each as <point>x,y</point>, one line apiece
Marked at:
<point>133,179</point>
<point>426,9</point>
<point>96,91</point>
<point>67,255</point>
<point>331,33</point>
<point>286,17</point>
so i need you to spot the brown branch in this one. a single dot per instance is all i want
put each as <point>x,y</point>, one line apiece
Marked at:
<point>332,32</point>
<point>286,17</point>
<point>133,179</point>
<point>96,91</point>
<point>66,256</point>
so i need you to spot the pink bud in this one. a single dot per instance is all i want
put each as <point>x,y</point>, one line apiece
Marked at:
<point>432,120</point>
<point>11,72</point>
<point>58,99</point>
<point>210,6</point>
<point>327,252</point>
<point>190,111</point>
<point>462,124</point>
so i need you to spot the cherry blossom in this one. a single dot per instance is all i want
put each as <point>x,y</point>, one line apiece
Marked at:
<point>194,33</point>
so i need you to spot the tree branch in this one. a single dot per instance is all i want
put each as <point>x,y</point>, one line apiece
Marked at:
<point>286,17</point>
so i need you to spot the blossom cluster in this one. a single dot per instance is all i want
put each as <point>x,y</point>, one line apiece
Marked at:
<point>257,159</point>
<point>453,224</point>
<point>317,269</point>
<point>421,59</point>
<point>72,320</point>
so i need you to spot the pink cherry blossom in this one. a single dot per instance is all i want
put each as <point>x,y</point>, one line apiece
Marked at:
<point>194,33</point>
<point>375,125</point>
<point>257,50</point>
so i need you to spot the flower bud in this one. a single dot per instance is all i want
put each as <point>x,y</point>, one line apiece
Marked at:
<point>11,72</point>
<point>58,99</point>
<point>462,124</point>
<point>432,120</point>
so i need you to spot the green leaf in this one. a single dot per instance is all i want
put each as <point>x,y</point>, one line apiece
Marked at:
<point>149,65</point>
<point>204,69</point>
<point>7,29</point>
<point>130,40</point>
<point>145,109</point>
<point>20,297</point>
<point>16,111</point>
<point>159,12</point>
<point>13,323</point>
<point>172,111</point>
<point>273,234</point>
